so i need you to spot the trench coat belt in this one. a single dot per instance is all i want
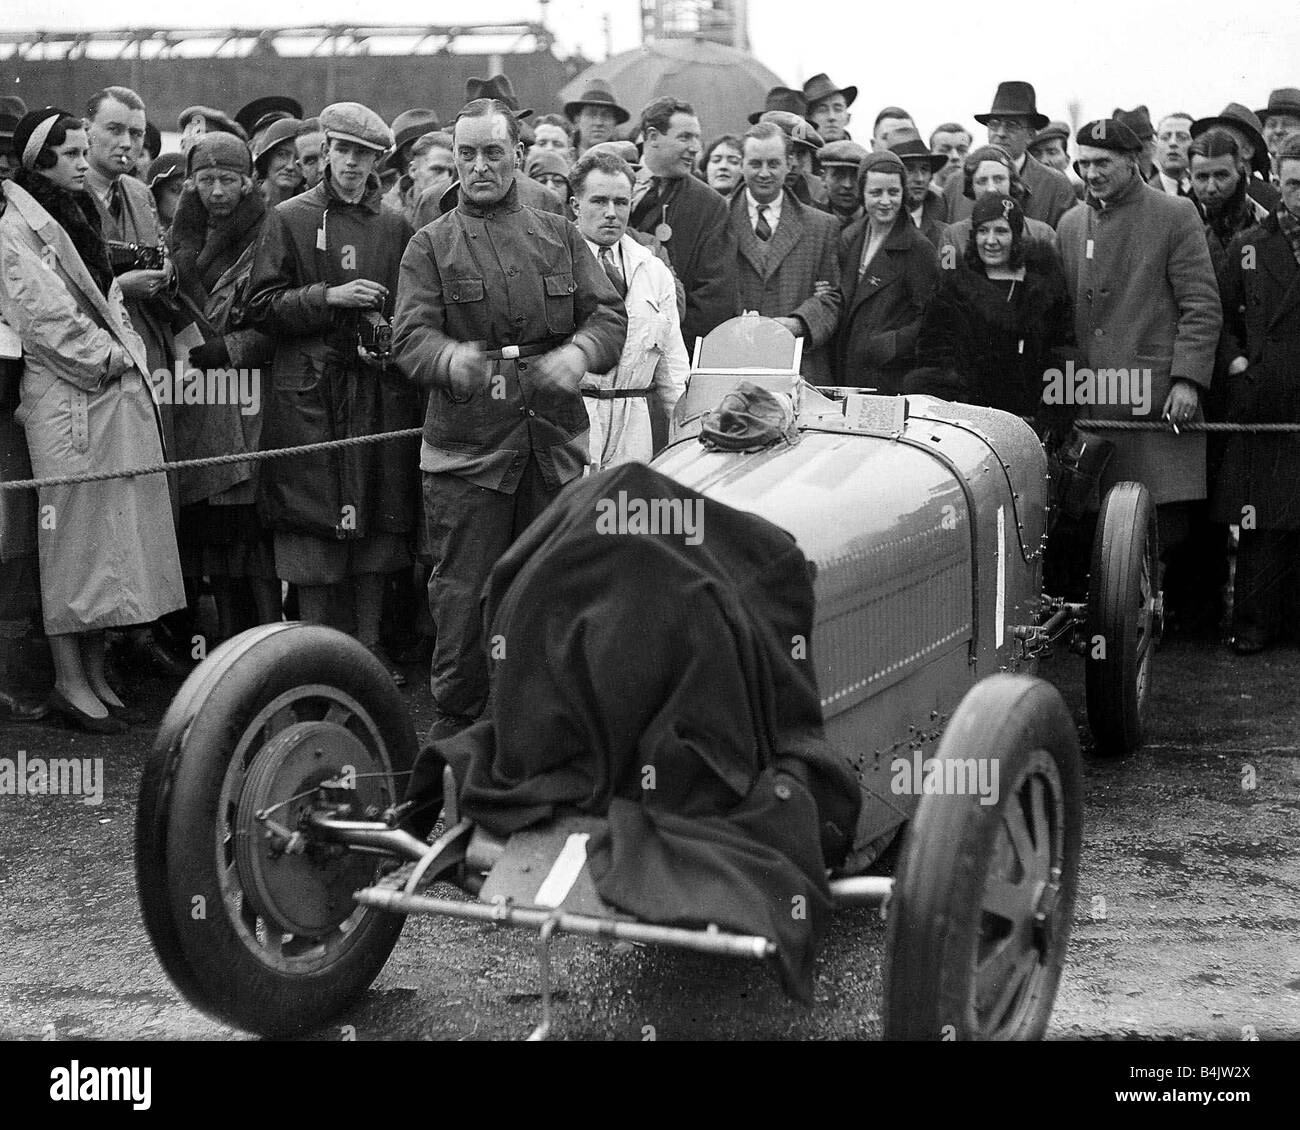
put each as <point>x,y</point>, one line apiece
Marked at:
<point>615,393</point>
<point>529,349</point>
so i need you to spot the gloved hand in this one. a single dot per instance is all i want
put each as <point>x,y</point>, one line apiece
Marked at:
<point>210,355</point>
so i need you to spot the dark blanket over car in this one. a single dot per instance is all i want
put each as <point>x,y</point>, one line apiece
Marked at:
<point>662,679</point>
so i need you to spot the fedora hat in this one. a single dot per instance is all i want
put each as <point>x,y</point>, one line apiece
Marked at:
<point>820,86</point>
<point>1284,100</point>
<point>781,98</point>
<point>1236,116</point>
<point>250,116</point>
<point>597,93</point>
<point>411,125</point>
<point>1138,120</point>
<point>498,87</point>
<point>1015,100</point>
<point>914,149</point>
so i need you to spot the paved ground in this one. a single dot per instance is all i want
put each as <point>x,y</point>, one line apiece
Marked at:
<point>1188,924</point>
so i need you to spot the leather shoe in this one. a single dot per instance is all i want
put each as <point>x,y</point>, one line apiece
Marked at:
<point>16,709</point>
<point>79,719</point>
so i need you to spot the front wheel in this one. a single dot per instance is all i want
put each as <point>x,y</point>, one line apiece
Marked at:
<point>979,918</point>
<point>255,930</point>
<point>1123,619</point>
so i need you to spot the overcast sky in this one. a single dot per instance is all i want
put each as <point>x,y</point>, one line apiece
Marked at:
<point>939,58</point>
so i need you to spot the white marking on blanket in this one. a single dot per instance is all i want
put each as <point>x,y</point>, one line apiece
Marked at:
<point>556,886</point>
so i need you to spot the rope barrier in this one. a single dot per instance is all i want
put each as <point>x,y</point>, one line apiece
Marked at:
<point>211,461</point>
<point>1172,429</point>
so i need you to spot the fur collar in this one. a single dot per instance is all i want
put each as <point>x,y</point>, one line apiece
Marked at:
<point>201,251</point>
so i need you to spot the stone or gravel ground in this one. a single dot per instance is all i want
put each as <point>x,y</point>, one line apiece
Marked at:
<point>1188,923</point>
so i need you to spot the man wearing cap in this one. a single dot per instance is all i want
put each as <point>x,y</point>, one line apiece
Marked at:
<point>686,216</point>
<point>595,114</point>
<point>195,121</point>
<point>1050,146</point>
<point>212,240</point>
<point>893,124</point>
<point>165,178</point>
<point>309,148</point>
<point>953,140</point>
<point>323,284</point>
<point>408,127</point>
<point>784,100</point>
<point>1145,300</point>
<point>1281,118</point>
<point>1173,136</point>
<point>1245,127</point>
<point>828,107</point>
<point>502,310</point>
<point>258,114</point>
<point>804,178</point>
<point>1139,121</point>
<point>275,161</point>
<point>840,162</point>
<point>922,202</point>
<point>1257,489</point>
<point>1012,121</point>
<point>786,265</point>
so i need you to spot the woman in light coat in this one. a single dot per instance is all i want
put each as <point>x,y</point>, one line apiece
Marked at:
<point>107,549</point>
<point>629,407</point>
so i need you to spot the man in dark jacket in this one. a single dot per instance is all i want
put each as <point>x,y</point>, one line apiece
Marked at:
<point>1012,122</point>
<point>686,216</point>
<point>1257,486</point>
<point>502,310</point>
<point>323,284</point>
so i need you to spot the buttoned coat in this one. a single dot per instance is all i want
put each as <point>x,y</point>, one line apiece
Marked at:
<point>703,254</point>
<point>881,309</point>
<point>1145,298</point>
<point>776,277</point>
<point>503,274</point>
<point>1261,304</point>
<point>1048,194</point>
<point>320,388</point>
<point>108,558</point>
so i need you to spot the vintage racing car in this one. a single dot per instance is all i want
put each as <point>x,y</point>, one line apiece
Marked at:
<point>274,873</point>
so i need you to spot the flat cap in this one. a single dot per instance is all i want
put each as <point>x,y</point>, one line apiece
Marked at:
<point>351,121</point>
<point>213,120</point>
<point>796,128</point>
<point>624,149</point>
<point>1107,133</point>
<point>845,152</point>
<point>219,151</point>
<point>165,167</point>
<point>1049,131</point>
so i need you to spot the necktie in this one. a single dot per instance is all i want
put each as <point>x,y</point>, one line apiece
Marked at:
<point>115,200</point>
<point>643,189</point>
<point>763,229</point>
<point>611,269</point>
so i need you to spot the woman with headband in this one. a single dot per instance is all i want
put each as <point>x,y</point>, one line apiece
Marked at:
<point>107,549</point>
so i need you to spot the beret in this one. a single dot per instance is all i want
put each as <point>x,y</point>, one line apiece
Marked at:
<point>1107,133</point>
<point>842,153</point>
<point>351,121</point>
<point>216,120</point>
<point>219,151</point>
<point>997,206</point>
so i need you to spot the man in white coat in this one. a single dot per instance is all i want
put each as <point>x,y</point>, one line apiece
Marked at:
<point>631,405</point>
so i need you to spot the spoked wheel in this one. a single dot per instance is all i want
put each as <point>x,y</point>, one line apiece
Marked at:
<point>253,920</point>
<point>1124,619</point>
<point>979,919</point>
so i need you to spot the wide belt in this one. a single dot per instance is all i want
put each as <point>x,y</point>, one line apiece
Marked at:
<point>529,349</point>
<point>615,393</point>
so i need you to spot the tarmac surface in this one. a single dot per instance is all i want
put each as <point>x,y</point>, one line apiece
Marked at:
<point>1187,924</point>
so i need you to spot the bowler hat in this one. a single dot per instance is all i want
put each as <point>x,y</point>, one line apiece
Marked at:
<point>1049,131</point>
<point>820,86</point>
<point>250,116</point>
<point>848,154</point>
<point>781,98</point>
<point>165,167</point>
<point>498,87</point>
<point>1015,100</point>
<point>1138,120</point>
<point>277,133</point>
<point>1108,133</point>
<point>1284,100</point>
<point>1235,116</point>
<point>411,125</point>
<point>599,94</point>
<point>914,149</point>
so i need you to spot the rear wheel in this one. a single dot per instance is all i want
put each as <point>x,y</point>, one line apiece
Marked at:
<point>255,926</point>
<point>979,919</point>
<point>1123,619</point>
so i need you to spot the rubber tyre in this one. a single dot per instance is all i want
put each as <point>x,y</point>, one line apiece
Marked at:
<point>938,925</point>
<point>176,831</point>
<point>1125,550</point>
